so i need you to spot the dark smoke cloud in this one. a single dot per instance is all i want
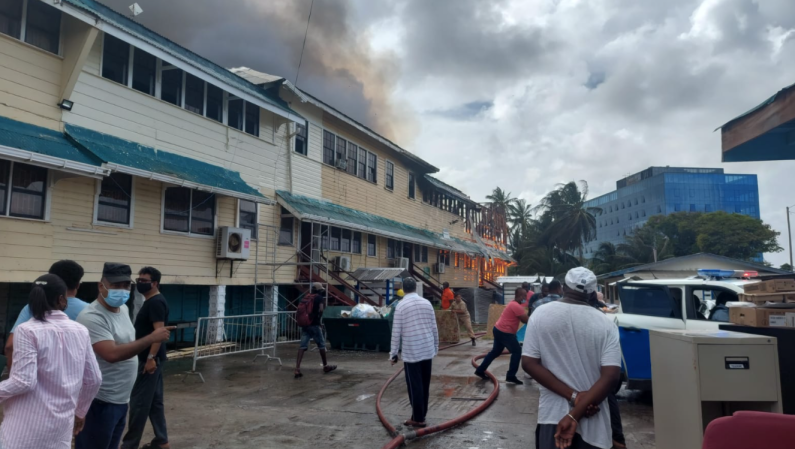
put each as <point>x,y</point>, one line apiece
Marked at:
<point>338,66</point>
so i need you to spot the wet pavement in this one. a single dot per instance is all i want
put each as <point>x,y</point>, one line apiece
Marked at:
<point>249,403</point>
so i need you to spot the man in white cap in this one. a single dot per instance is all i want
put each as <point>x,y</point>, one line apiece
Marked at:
<point>572,350</point>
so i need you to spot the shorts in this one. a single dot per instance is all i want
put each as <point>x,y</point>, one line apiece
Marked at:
<point>312,333</point>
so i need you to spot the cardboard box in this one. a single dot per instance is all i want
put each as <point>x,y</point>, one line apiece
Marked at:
<point>772,286</point>
<point>761,298</point>
<point>760,317</point>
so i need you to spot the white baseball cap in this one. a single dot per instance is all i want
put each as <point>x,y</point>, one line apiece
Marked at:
<point>581,279</point>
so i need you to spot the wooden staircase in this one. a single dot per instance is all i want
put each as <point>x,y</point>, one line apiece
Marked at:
<point>338,296</point>
<point>431,284</point>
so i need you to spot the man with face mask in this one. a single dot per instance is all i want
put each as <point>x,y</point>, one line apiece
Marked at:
<point>113,339</point>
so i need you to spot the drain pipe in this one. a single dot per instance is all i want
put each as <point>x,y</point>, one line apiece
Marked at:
<point>399,439</point>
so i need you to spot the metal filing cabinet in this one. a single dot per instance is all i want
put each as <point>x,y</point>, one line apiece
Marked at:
<point>699,376</point>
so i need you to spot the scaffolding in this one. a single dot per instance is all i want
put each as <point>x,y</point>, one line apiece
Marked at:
<point>309,254</point>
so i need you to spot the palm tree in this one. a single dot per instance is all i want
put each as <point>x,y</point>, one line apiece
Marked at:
<point>572,224</point>
<point>608,259</point>
<point>520,216</point>
<point>501,199</point>
<point>645,245</point>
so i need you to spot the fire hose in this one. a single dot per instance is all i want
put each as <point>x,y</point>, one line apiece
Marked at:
<point>400,438</point>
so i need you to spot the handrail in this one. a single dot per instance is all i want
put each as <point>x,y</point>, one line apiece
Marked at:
<point>494,284</point>
<point>333,291</point>
<point>435,290</point>
<point>342,281</point>
<point>363,284</point>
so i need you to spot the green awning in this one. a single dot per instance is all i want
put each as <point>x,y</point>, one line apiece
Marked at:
<point>147,162</point>
<point>36,145</point>
<point>321,211</point>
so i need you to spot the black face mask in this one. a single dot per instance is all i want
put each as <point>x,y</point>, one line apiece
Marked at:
<point>143,288</point>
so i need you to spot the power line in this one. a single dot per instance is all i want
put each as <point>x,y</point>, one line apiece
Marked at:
<point>306,32</point>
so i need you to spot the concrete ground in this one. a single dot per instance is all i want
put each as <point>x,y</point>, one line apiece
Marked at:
<point>258,404</point>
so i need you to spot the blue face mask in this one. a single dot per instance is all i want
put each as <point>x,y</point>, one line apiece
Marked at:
<point>117,297</point>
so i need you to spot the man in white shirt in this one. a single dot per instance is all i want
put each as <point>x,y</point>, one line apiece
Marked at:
<point>414,326</point>
<point>572,350</point>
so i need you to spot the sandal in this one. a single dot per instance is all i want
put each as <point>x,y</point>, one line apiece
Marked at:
<point>329,368</point>
<point>297,374</point>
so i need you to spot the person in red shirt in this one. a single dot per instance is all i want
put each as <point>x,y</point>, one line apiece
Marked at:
<point>505,337</point>
<point>447,296</point>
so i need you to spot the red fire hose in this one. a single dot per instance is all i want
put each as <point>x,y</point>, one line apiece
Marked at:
<point>399,439</point>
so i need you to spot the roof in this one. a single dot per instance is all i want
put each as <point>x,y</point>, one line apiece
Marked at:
<point>134,158</point>
<point>668,263</point>
<point>108,15</point>
<point>450,190</point>
<point>269,81</point>
<point>522,279</point>
<point>321,211</point>
<point>378,274</point>
<point>42,141</point>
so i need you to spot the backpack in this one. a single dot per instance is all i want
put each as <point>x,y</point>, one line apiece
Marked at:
<point>306,311</point>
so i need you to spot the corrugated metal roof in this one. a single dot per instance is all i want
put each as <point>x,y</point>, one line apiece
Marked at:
<point>522,279</point>
<point>120,21</point>
<point>378,274</point>
<point>113,150</point>
<point>44,141</point>
<point>322,211</point>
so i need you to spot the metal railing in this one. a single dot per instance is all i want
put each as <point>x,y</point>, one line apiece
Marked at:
<point>219,336</point>
<point>288,330</point>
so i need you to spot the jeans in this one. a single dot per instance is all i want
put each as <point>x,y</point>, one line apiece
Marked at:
<point>545,438</point>
<point>418,381</point>
<point>312,333</point>
<point>104,426</point>
<point>615,419</point>
<point>503,340</point>
<point>146,402</point>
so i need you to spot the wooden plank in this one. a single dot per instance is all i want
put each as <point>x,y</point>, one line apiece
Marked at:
<point>760,121</point>
<point>495,310</point>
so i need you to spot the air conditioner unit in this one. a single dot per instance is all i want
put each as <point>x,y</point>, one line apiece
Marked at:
<point>342,263</point>
<point>342,164</point>
<point>403,262</point>
<point>439,268</point>
<point>233,243</point>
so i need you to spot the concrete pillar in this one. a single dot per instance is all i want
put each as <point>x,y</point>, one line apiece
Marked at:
<point>215,334</point>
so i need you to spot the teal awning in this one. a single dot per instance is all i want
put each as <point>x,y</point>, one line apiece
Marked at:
<point>321,211</point>
<point>36,145</point>
<point>139,160</point>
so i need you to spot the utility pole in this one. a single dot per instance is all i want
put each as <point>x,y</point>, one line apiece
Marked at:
<point>789,231</point>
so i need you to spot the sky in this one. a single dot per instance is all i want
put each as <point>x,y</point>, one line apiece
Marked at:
<point>526,94</point>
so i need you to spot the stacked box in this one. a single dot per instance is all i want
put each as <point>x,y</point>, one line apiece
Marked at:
<point>772,286</point>
<point>762,317</point>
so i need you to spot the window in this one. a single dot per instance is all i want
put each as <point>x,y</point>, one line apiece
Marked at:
<point>738,209</point>
<point>412,187</point>
<point>11,18</point>
<point>356,243</point>
<point>335,239</point>
<point>341,151</point>
<point>418,253</point>
<point>144,72</point>
<point>371,164</point>
<point>252,119</point>
<point>286,231</point>
<point>455,259</point>
<point>390,175</point>
<point>659,209</point>
<point>443,257</point>
<point>708,208</point>
<point>345,246</point>
<point>115,59</point>
<point>393,248</point>
<point>692,208</point>
<point>26,197</point>
<point>329,142</point>
<point>189,211</point>
<point>324,236</point>
<point>371,245</point>
<point>234,113</point>
<point>362,171</point>
<point>643,212</point>
<point>300,139</point>
<point>43,26</point>
<point>215,103</point>
<point>171,86</point>
<point>636,214</point>
<point>115,199</point>
<point>630,217</point>
<point>194,94</point>
<point>643,199</point>
<point>5,170</point>
<point>636,201</point>
<point>247,218</point>
<point>677,207</point>
<point>649,301</point>
<point>353,152</point>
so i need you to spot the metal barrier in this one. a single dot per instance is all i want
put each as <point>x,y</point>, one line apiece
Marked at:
<point>218,336</point>
<point>288,330</point>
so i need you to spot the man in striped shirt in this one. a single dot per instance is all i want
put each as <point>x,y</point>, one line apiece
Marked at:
<point>414,326</point>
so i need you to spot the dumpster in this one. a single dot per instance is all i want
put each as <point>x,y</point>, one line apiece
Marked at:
<point>362,334</point>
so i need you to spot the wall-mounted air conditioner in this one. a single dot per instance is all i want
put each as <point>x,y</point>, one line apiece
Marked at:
<point>439,268</point>
<point>342,263</point>
<point>233,243</point>
<point>342,164</point>
<point>403,262</point>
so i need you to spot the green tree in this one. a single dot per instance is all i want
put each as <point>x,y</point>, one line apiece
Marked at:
<point>607,259</point>
<point>520,216</point>
<point>735,235</point>
<point>681,228</point>
<point>501,198</point>
<point>786,267</point>
<point>645,245</point>
<point>571,224</point>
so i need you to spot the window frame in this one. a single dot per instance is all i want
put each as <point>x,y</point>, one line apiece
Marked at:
<point>23,30</point>
<point>305,138</point>
<point>97,222</point>
<point>163,230</point>
<point>254,235</point>
<point>292,230</point>
<point>389,178</point>
<point>375,245</point>
<point>354,241</point>
<point>412,184</point>
<point>47,193</point>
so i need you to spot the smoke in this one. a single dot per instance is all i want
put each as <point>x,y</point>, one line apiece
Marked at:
<point>339,66</point>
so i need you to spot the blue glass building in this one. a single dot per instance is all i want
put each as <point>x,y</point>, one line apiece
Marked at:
<point>666,190</point>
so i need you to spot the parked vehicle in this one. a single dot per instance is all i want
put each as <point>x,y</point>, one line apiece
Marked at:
<point>681,304</point>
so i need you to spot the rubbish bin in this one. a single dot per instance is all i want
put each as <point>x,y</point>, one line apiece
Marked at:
<point>360,334</point>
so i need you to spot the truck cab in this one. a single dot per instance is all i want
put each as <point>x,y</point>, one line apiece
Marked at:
<point>680,304</point>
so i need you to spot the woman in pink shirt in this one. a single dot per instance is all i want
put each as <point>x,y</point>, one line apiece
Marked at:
<point>505,337</point>
<point>54,377</point>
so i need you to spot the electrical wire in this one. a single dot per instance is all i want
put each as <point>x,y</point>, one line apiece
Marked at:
<point>303,46</point>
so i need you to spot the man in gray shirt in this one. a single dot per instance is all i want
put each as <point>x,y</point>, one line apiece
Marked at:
<point>113,339</point>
